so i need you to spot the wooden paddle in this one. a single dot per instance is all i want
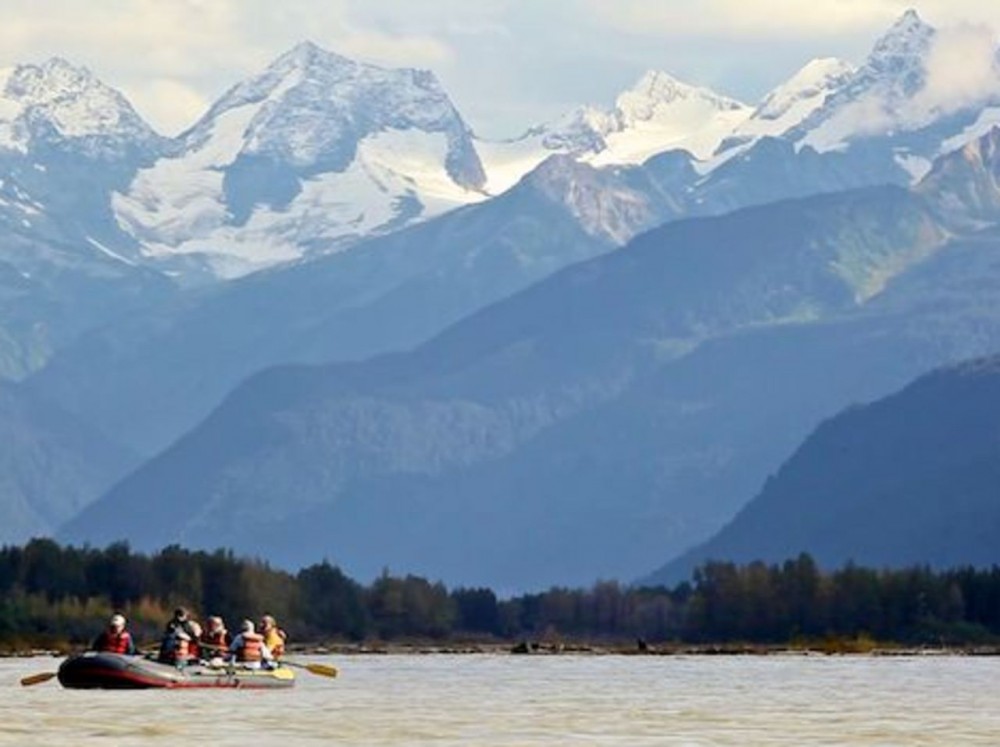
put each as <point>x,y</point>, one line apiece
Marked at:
<point>323,670</point>
<point>35,679</point>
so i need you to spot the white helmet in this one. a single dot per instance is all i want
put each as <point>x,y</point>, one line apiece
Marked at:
<point>117,621</point>
<point>247,626</point>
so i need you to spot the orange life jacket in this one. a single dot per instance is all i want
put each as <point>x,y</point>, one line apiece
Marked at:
<point>252,648</point>
<point>215,641</point>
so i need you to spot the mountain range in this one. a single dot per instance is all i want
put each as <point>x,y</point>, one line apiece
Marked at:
<point>608,415</point>
<point>605,276</point>
<point>395,291</point>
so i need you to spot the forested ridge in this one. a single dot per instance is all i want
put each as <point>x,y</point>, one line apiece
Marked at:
<point>61,597</point>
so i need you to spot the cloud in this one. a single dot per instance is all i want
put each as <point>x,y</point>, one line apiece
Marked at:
<point>396,51</point>
<point>740,19</point>
<point>779,19</point>
<point>961,68</point>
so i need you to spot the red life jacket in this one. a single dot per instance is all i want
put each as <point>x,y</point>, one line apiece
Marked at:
<point>252,648</point>
<point>116,643</point>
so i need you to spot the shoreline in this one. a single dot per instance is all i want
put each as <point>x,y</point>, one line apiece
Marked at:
<point>533,648</point>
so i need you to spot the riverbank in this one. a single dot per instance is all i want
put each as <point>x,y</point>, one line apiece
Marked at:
<point>666,649</point>
<point>826,647</point>
<point>861,647</point>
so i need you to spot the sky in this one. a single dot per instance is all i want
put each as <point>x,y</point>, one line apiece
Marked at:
<point>507,64</point>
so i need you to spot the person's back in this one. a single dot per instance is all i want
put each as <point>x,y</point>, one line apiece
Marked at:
<point>215,641</point>
<point>249,649</point>
<point>175,648</point>
<point>176,644</point>
<point>274,637</point>
<point>115,639</point>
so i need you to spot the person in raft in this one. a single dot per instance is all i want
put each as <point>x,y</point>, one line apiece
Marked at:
<point>176,645</point>
<point>274,637</point>
<point>115,639</point>
<point>215,641</point>
<point>181,620</point>
<point>249,649</point>
<point>175,648</point>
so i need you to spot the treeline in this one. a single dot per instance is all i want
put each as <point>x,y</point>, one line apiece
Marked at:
<point>61,596</point>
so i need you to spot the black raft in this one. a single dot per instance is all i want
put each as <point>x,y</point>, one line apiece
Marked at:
<point>95,669</point>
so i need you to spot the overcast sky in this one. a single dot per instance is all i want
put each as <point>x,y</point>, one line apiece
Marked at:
<point>508,64</point>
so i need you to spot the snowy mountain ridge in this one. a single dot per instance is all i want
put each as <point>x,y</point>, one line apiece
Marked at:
<point>656,114</point>
<point>56,102</point>
<point>892,91</point>
<point>319,151</point>
<point>313,153</point>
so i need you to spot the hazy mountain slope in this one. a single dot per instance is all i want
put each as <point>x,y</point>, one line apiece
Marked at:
<point>338,442</point>
<point>389,293</point>
<point>909,479</point>
<point>51,465</point>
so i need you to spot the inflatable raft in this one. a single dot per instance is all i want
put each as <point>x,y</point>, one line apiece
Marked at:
<point>94,669</point>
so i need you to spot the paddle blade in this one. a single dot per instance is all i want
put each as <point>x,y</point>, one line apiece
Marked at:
<point>323,670</point>
<point>35,679</point>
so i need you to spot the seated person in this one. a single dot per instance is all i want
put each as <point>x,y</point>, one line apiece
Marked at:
<point>274,637</point>
<point>215,641</point>
<point>175,648</point>
<point>249,649</point>
<point>115,639</point>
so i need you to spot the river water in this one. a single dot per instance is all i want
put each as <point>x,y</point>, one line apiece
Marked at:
<point>494,700</point>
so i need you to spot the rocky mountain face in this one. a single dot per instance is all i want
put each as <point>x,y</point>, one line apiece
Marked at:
<point>966,183</point>
<point>907,480</point>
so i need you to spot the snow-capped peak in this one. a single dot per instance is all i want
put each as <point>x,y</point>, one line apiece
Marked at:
<point>59,102</point>
<point>307,53</point>
<point>661,113</point>
<point>809,87</point>
<point>893,90</point>
<point>313,106</point>
<point>908,39</point>
<point>308,156</point>
<point>789,104</point>
<point>656,114</point>
<point>899,57</point>
<point>652,96</point>
<point>304,61</point>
